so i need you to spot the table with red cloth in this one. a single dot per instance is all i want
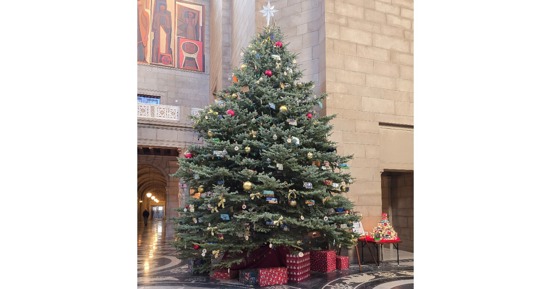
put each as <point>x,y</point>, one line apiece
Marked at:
<point>366,240</point>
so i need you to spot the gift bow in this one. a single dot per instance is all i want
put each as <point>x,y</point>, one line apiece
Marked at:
<point>211,229</point>
<point>255,195</point>
<point>278,222</point>
<point>215,253</point>
<point>221,203</point>
<point>214,209</point>
<point>291,194</point>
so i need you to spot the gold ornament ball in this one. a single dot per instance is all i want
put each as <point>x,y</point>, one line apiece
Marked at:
<point>210,133</point>
<point>243,66</point>
<point>247,149</point>
<point>247,186</point>
<point>292,203</point>
<point>201,189</point>
<point>309,155</point>
<point>283,108</point>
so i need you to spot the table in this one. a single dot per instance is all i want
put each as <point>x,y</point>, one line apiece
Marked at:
<point>366,240</point>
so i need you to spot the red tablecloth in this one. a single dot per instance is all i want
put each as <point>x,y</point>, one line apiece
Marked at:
<point>367,238</point>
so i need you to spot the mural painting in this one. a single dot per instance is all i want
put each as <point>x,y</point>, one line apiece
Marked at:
<point>171,33</point>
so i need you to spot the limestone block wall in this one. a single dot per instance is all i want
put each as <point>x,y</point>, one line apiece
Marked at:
<point>369,79</point>
<point>302,22</point>
<point>220,42</point>
<point>244,15</point>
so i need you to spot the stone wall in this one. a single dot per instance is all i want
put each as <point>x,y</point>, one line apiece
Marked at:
<point>369,80</point>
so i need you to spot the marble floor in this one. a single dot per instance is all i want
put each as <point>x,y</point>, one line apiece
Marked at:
<point>159,268</point>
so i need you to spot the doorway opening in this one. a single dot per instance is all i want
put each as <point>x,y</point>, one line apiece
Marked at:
<point>398,203</point>
<point>157,212</point>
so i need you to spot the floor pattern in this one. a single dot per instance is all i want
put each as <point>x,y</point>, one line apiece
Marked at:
<point>159,268</point>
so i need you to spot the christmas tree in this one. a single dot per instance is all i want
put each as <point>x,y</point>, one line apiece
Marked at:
<point>266,175</point>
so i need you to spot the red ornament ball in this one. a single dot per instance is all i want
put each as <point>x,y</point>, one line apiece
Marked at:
<point>309,115</point>
<point>268,73</point>
<point>196,247</point>
<point>278,44</point>
<point>230,112</point>
<point>188,155</point>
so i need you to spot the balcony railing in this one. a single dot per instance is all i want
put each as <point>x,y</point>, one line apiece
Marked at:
<point>158,112</point>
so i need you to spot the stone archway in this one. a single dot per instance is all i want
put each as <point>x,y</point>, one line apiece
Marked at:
<point>150,180</point>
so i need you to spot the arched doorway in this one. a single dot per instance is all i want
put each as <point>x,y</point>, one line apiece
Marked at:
<point>151,190</point>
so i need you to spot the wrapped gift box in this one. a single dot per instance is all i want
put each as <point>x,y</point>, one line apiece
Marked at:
<point>272,276</point>
<point>323,261</point>
<point>298,267</point>
<point>224,274</point>
<point>248,276</point>
<point>296,259</point>
<point>342,262</point>
<point>295,277</point>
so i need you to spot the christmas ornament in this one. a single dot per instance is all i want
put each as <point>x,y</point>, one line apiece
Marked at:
<point>234,95</point>
<point>247,149</point>
<point>211,229</point>
<point>210,133</point>
<point>245,89</point>
<point>247,186</point>
<point>310,155</point>
<point>292,198</point>
<point>278,44</point>
<point>302,218</point>
<point>283,108</point>
<point>274,137</point>
<point>224,217</point>
<point>325,218</point>
<point>271,200</point>
<point>230,112</point>
<point>244,206</point>
<point>255,195</point>
<point>243,66</point>
<point>187,155</point>
<point>309,115</point>
<point>216,252</point>
<point>221,203</point>
<point>235,80</point>
<point>268,73</point>
<point>236,148</point>
<point>196,247</point>
<point>200,189</point>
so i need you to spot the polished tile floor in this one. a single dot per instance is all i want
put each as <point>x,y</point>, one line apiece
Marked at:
<point>159,268</point>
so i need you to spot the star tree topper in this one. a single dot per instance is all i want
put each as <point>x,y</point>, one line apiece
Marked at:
<point>268,11</point>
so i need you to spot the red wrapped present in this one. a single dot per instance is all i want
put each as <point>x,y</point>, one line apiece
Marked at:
<point>323,261</point>
<point>298,266</point>
<point>272,276</point>
<point>297,259</point>
<point>342,262</point>
<point>298,277</point>
<point>225,274</point>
